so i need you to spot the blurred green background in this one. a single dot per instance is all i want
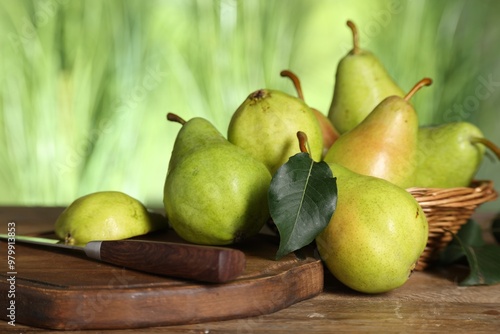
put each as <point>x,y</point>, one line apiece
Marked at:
<point>85,85</point>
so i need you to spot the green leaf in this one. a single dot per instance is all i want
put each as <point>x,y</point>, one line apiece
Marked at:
<point>495,228</point>
<point>483,259</point>
<point>469,234</point>
<point>484,263</point>
<point>302,200</point>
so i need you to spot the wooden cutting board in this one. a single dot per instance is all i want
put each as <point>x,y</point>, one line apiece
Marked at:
<point>58,289</point>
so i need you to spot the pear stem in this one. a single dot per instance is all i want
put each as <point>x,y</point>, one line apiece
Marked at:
<point>295,80</point>
<point>489,144</point>
<point>303,144</point>
<point>420,84</point>
<point>175,118</point>
<point>355,37</point>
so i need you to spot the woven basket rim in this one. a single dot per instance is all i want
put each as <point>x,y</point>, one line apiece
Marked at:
<point>480,191</point>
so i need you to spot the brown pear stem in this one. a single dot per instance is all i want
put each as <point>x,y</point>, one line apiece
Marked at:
<point>488,143</point>
<point>302,142</point>
<point>175,118</point>
<point>355,37</point>
<point>420,84</point>
<point>295,80</point>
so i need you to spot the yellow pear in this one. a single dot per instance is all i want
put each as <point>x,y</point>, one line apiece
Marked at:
<point>384,144</point>
<point>376,234</point>
<point>266,124</point>
<point>105,215</point>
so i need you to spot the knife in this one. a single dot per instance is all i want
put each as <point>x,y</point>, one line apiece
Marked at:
<point>201,263</point>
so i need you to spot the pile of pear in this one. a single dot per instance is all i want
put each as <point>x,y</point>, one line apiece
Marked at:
<point>216,187</point>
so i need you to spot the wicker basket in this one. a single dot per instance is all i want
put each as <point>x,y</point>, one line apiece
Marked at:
<point>447,209</point>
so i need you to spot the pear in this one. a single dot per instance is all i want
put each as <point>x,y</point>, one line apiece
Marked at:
<point>361,83</point>
<point>266,123</point>
<point>376,235</point>
<point>105,215</point>
<point>450,154</point>
<point>215,193</point>
<point>384,144</point>
<point>330,134</point>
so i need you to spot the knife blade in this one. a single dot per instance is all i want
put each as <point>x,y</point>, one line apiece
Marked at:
<point>202,263</point>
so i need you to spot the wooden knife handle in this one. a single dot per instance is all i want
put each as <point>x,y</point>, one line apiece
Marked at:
<point>202,263</point>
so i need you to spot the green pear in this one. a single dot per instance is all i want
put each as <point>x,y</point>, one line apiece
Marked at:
<point>376,234</point>
<point>384,144</point>
<point>266,123</point>
<point>204,133</point>
<point>105,215</point>
<point>215,193</point>
<point>450,154</point>
<point>361,83</point>
<point>330,134</point>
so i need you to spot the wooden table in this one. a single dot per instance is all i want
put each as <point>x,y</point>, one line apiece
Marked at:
<point>430,301</point>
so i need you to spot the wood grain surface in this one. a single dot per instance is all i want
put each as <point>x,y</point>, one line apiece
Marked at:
<point>431,301</point>
<point>57,289</point>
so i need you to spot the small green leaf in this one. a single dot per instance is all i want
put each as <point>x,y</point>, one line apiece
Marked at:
<point>302,200</point>
<point>484,264</point>
<point>470,234</point>
<point>483,259</point>
<point>495,228</point>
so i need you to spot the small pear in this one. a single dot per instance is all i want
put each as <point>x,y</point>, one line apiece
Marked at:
<point>361,83</point>
<point>215,193</point>
<point>376,234</point>
<point>266,123</point>
<point>105,215</point>
<point>450,154</point>
<point>384,144</point>
<point>330,134</point>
